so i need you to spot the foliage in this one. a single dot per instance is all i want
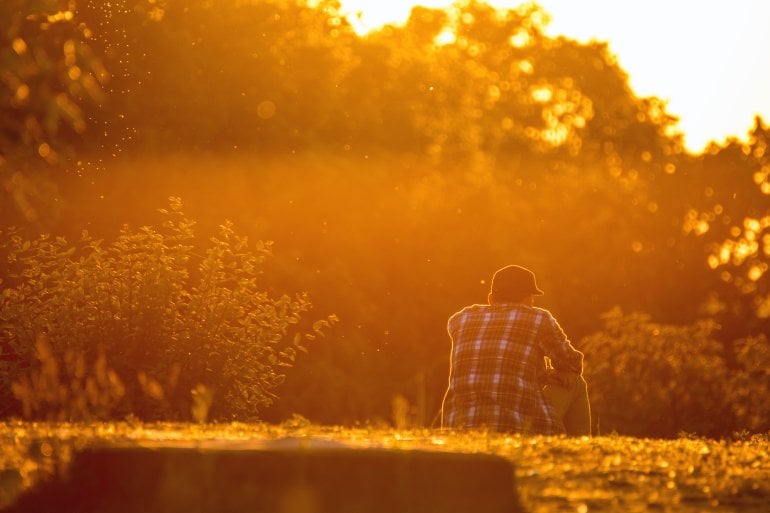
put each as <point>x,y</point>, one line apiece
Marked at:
<point>167,314</point>
<point>73,392</point>
<point>750,385</point>
<point>730,214</point>
<point>48,71</point>
<point>48,75</point>
<point>656,380</point>
<point>652,379</point>
<point>399,169</point>
<point>609,473</point>
<point>185,74</point>
<point>497,85</point>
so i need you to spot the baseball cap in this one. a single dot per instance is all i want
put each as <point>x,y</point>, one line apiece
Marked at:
<point>514,279</point>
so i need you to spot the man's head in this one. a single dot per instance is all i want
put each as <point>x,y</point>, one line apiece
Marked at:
<point>513,284</point>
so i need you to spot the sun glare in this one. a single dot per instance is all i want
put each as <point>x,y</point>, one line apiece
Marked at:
<point>368,15</point>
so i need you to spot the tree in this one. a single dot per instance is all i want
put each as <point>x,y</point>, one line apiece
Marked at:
<point>48,72</point>
<point>729,214</point>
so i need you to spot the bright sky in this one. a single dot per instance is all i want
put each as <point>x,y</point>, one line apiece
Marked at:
<point>710,59</point>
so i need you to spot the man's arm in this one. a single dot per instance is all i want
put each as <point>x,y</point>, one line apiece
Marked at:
<point>556,345</point>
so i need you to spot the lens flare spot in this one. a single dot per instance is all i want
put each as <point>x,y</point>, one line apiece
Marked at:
<point>266,109</point>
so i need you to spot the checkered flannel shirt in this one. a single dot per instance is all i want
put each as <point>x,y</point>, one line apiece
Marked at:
<point>498,365</point>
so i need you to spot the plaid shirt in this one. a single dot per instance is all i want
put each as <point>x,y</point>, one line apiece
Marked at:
<point>498,366</point>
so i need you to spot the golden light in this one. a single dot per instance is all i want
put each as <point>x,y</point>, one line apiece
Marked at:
<point>368,15</point>
<point>446,37</point>
<point>19,46</point>
<point>702,59</point>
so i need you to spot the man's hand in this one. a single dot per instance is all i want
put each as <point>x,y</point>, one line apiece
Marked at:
<point>559,378</point>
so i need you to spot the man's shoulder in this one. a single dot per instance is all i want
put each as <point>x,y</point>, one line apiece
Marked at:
<point>544,316</point>
<point>506,309</point>
<point>542,312</point>
<point>470,310</point>
<point>468,313</point>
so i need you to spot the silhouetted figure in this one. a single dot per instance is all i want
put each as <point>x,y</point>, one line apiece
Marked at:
<point>512,367</point>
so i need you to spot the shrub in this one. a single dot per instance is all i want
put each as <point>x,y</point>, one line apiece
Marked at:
<point>750,385</point>
<point>657,380</point>
<point>169,314</point>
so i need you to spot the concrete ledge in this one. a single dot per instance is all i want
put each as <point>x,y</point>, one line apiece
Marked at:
<point>275,478</point>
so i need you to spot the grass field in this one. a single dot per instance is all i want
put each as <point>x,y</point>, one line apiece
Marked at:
<point>608,473</point>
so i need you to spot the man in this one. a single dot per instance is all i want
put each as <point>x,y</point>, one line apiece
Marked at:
<point>512,367</point>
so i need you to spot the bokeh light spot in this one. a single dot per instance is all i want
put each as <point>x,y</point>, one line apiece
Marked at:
<point>266,109</point>
<point>19,46</point>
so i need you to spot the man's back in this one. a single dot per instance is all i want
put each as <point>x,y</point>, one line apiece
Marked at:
<point>497,367</point>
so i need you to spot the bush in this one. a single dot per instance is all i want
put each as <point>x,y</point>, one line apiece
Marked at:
<point>170,317</point>
<point>657,380</point>
<point>750,387</point>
